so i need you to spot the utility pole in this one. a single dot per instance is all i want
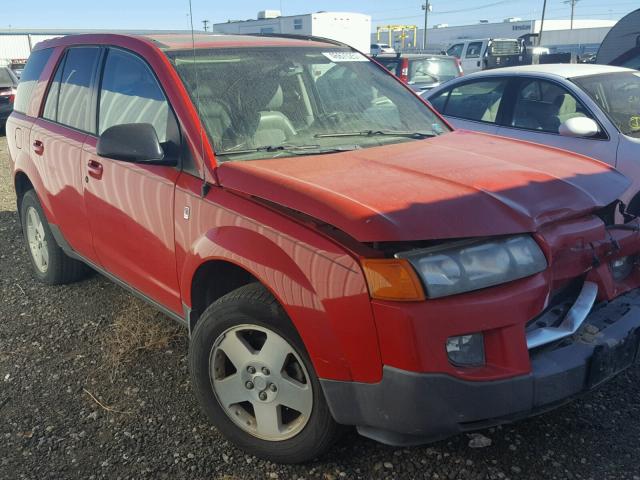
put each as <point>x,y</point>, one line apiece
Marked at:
<point>573,8</point>
<point>544,10</point>
<point>205,24</point>
<point>427,8</point>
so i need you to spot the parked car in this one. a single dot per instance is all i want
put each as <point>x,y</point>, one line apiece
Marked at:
<point>422,72</point>
<point>17,66</point>
<point>593,110</point>
<point>380,48</point>
<point>8,85</point>
<point>339,255</point>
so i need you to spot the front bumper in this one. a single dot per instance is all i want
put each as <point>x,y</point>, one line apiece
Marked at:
<point>408,408</point>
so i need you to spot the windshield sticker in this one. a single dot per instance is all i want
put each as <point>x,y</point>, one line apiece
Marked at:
<point>634,123</point>
<point>345,57</point>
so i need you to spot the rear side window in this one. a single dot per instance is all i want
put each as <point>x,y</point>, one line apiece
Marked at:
<point>130,93</point>
<point>51,104</point>
<point>29,79</point>
<point>544,106</point>
<point>78,74</point>
<point>479,101</point>
<point>474,49</point>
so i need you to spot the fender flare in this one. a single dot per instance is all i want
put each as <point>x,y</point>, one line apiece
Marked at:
<point>334,318</point>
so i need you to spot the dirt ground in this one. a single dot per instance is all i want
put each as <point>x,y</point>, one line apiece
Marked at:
<point>94,384</point>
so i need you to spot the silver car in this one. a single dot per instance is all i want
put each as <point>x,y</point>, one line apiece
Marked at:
<point>589,109</point>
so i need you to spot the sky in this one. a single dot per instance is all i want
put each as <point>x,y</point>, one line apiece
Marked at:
<point>156,14</point>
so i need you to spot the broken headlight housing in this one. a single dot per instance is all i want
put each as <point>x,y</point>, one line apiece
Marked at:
<point>459,267</point>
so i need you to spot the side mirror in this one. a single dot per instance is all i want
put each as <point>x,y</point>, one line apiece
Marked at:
<point>579,127</point>
<point>131,142</point>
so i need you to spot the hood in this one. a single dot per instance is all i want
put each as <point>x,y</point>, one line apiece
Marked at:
<point>461,184</point>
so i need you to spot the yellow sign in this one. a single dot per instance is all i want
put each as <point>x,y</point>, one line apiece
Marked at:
<point>634,123</point>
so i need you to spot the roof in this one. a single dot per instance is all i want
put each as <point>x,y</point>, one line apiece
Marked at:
<point>213,40</point>
<point>181,41</point>
<point>564,70</point>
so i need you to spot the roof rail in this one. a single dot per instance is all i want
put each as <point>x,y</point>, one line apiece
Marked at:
<point>297,37</point>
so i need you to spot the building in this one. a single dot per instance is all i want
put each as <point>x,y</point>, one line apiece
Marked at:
<point>558,36</point>
<point>350,28</point>
<point>17,43</point>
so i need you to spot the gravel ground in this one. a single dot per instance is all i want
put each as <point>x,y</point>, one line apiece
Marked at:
<point>70,409</point>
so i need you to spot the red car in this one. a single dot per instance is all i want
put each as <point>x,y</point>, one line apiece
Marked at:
<point>338,253</point>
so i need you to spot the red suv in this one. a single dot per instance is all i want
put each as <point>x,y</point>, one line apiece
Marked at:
<point>338,253</point>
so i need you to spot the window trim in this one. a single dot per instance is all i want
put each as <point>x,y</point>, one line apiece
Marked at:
<point>511,102</point>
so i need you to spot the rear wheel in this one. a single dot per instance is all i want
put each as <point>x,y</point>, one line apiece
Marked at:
<point>50,264</point>
<point>254,379</point>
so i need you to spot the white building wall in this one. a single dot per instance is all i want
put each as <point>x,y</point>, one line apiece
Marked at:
<point>19,46</point>
<point>351,28</point>
<point>13,46</point>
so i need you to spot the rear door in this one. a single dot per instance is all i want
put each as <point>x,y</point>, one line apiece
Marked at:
<point>18,126</point>
<point>56,141</point>
<point>473,105</point>
<point>130,206</point>
<point>537,107</point>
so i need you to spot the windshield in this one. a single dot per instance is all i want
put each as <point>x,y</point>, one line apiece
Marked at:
<point>274,101</point>
<point>618,95</point>
<point>6,79</point>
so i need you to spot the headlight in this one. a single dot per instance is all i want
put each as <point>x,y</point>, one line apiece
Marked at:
<point>465,266</point>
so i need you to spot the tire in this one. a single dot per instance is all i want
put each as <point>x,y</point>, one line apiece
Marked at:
<point>247,313</point>
<point>50,264</point>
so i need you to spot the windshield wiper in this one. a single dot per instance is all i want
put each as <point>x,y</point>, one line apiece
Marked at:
<point>374,133</point>
<point>290,148</point>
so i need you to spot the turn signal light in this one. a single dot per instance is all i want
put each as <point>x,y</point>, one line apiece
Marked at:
<point>392,279</point>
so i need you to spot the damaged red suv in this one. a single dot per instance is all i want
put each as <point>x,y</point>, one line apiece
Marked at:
<point>338,253</point>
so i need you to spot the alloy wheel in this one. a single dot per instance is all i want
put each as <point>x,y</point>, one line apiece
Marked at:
<point>37,240</point>
<point>261,382</point>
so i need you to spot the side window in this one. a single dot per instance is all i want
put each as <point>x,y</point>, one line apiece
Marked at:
<point>542,105</point>
<point>51,104</point>
<point>74,99</point>
<point>438,102</point>
<point>479,101</point>
<point>129,93</point>
<point>29,78</point>
<point>474,49</point>
<point>455,50</point>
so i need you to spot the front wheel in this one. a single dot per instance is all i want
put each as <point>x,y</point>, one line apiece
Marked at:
<point>255,382</point>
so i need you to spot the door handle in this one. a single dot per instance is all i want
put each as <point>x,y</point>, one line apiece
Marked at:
<point>38,147</point>
<point>95,169</point>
